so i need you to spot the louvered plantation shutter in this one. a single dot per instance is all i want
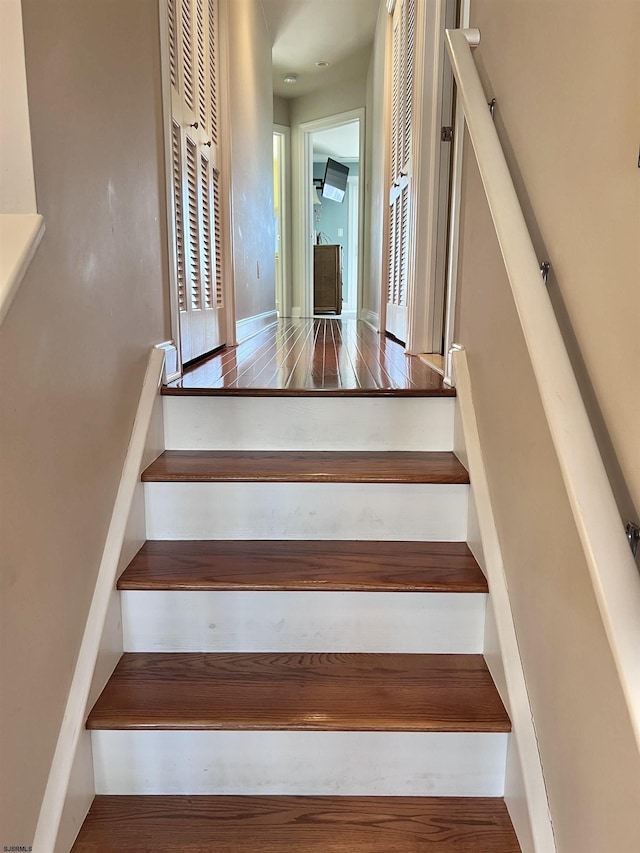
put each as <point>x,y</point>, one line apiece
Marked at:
<point>193,28</point>
<point>403,29</point>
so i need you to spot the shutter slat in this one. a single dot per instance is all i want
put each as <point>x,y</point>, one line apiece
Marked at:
<point>193,223</point>
<point>217,227</point>
<point>202,67</point>
<point>404,246</point>
<point>176,168</point>
<point>213,71</point>
<point>187,52</point>
<point>173,43</point>
<point>205,265</point>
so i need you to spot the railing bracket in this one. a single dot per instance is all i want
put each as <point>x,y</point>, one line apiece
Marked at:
<point>492,107</point>
<point>633,536</point>
<point>472,36</point>
<point>545,268</point>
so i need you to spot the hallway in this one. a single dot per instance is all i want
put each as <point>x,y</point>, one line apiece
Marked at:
<point>326,355</point>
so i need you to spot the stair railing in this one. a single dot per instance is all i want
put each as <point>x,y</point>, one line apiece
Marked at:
<point>614,575</point>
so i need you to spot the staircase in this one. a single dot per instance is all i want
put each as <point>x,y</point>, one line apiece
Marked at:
<point>303,635</point>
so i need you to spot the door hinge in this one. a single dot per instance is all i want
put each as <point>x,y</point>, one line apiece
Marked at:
<point>446,134</point>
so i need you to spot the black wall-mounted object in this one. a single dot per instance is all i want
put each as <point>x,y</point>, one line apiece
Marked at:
<point>335,180</point>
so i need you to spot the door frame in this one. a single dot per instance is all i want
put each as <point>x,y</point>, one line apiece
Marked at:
<point>284,132</point>
<point>353,257</point>
<point>455,202</point>
<point>425,292</point>
<point>228,290</point>
<point>304,248</point>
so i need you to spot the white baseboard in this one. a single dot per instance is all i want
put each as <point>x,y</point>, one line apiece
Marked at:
<point>370,318</point>
<point>250,326</point>
<point>70,785</point>
<point>525,793</point>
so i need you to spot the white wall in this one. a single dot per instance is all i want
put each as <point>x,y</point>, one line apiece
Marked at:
<point>251,118</point>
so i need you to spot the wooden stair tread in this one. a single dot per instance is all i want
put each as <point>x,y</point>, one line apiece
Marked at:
<point>232,824</point>
<point>300,691</point>
<point>306,467</point>
<point>299,565</point>
<point>176,390</point>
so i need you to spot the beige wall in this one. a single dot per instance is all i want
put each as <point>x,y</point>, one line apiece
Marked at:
<point>281,111</point>
<point>564,74</point>
<point>329,101</point>
<point>566,77</point>
<point>251,118</point>
<point>17,190</point>
<point>73,347</point>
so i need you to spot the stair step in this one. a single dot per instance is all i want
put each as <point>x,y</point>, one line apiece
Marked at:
<point>203,824</point>
<point>304,565</point>
<point>228,466</point>
<point>303,692</point>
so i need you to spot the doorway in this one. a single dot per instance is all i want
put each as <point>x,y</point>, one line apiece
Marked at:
<point>281,148</point>
<point>332,218</point>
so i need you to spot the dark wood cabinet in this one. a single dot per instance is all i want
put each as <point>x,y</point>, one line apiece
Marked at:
<point>327,279</point>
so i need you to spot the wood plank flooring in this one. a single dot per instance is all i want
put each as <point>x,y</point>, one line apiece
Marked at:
<point>313,356</point>
<point>234,824</point>
<point>294,565</point>
<point>300,691</point>
<point>306,467</point>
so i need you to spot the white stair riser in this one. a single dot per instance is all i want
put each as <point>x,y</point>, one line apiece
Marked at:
<point>437,623</point>
<point>436,764</point>
<point>306,511</point>
<point>308,423</point>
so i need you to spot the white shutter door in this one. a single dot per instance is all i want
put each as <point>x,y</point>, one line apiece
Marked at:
<point>403,28</point>
<point>194,157</point>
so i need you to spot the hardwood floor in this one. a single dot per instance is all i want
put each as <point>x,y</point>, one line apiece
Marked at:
<point>314,356</point>
<point>315,565</point>
<point>300,691</point>
<point>232,824</point>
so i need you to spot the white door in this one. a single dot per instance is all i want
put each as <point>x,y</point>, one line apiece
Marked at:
<point>195,165</point>
<point>403,52</point>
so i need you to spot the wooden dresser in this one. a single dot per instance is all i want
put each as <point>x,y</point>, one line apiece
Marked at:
<point>327,279</point>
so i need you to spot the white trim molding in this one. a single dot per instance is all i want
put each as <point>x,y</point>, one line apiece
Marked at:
<point>250,326</point>
<point>20,236</point>
<point>78,698</point>
<point>492,563</point>
<point>304,165</point>
<point>171,370</point>
<point>371,319</point>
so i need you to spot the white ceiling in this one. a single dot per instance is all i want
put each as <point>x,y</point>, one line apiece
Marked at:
<point>341,143</point>
<point>306,31</point>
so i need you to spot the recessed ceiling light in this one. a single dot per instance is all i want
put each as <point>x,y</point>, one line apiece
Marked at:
<point>322,63</point>
<point>290,78</point>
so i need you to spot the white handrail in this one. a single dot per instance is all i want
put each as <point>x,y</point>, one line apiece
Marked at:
<point>614,575</point>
